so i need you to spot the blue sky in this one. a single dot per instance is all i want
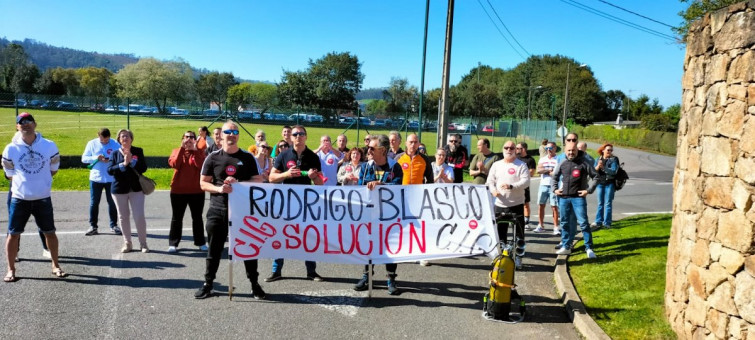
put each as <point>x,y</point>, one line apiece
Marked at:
<point>259,39</point>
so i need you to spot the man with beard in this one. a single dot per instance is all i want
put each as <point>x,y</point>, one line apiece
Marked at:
<point>457,156</point>
<point>482,161</point>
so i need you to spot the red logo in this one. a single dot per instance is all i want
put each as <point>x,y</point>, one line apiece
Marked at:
<point>473,224</point>
<point>405,166</point>
<point>290,164</point>
<point>330,161</point>
<point>511,171</point>
<point>230,170</point>
<point>348,168</point>
<point>109,151</point>
<point>133,157</point>
<point>576,173</point>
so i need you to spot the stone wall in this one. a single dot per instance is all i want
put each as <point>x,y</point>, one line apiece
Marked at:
<point>710,274</point>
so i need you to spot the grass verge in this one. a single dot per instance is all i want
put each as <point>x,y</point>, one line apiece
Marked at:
<point>623,288</point>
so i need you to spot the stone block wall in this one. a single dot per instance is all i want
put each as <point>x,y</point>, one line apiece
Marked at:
<point>710,274</point>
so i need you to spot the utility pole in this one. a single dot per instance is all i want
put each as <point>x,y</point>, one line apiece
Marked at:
<point>443,116</point>
<point>422,82</point>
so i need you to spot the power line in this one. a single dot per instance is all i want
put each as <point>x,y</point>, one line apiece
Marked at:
<point>618,20</point>
<point>499,30</point>
<point>507,29</point>
<point>637,14</point>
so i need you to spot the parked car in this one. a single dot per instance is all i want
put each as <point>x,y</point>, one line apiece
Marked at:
<point>346,121</point>
<point>413,125</point>
<point>280,117</point>
<point>488,128</point>
<point>183,112</point>
<point>66,106</point>
<point>314,118</point>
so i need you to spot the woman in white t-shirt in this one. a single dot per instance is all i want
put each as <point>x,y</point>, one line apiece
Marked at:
<point>442,172</point>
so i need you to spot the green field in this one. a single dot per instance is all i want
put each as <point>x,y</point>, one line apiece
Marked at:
<point>158,136</point>
<point>623,288</point>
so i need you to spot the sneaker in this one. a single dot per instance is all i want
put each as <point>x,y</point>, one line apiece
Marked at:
<point>361,284</point>
<point>126,247</point>
<point>203,247</point>
<point>556,231</point>
<point>315,277</point>
<point>273,277</point>
<point>539,229</point>
<point>257,292</point>
<point>392,288</point>
<point>46,254</point>
<point>563,251</point>
<point>91,232</point>
<point>116,230</point>
<point>591,254</point>
<point>607,226</point>
<point>145,249</point>
<point>204,292</point>
<point>424,263</point>
<point>595,226</point>
<point>172,249</point>
<point>518,262</point>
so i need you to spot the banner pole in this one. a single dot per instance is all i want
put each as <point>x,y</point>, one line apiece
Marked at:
<point>369,279</point>
<point>230,277</point>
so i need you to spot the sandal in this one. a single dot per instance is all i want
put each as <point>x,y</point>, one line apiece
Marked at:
<point>10,276</point>
<point>57,272</point>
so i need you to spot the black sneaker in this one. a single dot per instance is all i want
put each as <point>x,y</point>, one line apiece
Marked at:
<point>204,292</point>
<point>274,277</point>
<point>315,277</point>
<point>257,292</point>
<point>392,288</point>
<point>91,231</point>
<point>116,230</point>
<point>361,284</point>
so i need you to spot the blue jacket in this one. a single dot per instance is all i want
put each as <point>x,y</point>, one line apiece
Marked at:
<point>125,179</point>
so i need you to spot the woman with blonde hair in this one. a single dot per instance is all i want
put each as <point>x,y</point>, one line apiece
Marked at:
<point>125,166</point>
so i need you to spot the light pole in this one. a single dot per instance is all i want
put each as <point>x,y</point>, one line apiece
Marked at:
<point>566,102</point>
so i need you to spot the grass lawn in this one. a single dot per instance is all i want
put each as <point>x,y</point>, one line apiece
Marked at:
<point>623,288</point>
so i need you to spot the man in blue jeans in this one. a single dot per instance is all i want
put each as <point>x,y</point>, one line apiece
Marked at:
<point>30,161</point>
<point>573,173</point>
<point>97,155</point>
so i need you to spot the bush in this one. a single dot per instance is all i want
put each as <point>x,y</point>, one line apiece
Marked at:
<point>668,143</point>
<point>663,142</point>
<point>659,122</point>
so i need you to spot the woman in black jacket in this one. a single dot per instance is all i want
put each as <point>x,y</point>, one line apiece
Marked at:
<point>126,190</point>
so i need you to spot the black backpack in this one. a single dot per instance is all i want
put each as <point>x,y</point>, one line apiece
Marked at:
<point>621,177</point>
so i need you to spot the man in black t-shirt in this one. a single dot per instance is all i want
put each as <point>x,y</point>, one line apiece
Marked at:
<point>521,153</point>
<point>296,165</point>
<point>457,156</point>
<point>221,169</point>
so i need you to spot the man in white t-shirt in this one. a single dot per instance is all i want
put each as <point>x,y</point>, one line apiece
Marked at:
<point>506,181</point>
<point>329,158</point>
<point>545,168</point>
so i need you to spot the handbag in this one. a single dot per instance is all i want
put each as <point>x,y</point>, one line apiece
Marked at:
<point>147,184</point>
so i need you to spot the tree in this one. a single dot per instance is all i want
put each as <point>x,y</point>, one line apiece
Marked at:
<point>376,107</point>
<point>697,10</point>
<point>24,78</point>
<point>213,87</point>
<point>12,59</point>
<point>156,81</point>
<point>431,101</point>
<point>400,97</point>
<point>296,89</point>
<point>46,84</point>
<point>262,95</point>
<point>95,82</point>
<point>674,113</point>
<point>69,78</point>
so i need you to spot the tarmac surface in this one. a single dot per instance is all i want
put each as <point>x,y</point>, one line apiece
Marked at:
<point>110,295</point>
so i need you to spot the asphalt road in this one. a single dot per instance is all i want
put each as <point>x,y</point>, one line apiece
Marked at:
<point>114,295</point>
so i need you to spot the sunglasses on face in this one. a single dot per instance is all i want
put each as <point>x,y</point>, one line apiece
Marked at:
<point>190,137</point>
<point>283,146</point>
<point>265,147</point>
<point>231,132</point>
<point>297,134</point>
<point>609,150</point>
<point>25,121</point>
<point>549,148</point>
<point>508,148</point>
<point>571,140</point>
<point>453,141</point>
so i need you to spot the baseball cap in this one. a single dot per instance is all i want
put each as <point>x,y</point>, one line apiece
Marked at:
<point>24,115</point>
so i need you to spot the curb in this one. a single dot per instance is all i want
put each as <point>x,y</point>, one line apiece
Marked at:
<point>582,321</point>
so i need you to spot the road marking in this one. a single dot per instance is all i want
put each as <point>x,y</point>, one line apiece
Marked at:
<point>647,212</point>
<point>664,183</point>
<point>111,296</point>
<point>344,301</point>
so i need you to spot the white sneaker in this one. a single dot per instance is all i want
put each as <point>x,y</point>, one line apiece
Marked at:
<point>539,229</point>
<point>563,251</point>
<point>556,231</point>
<point>591,254</point>
<point>424,263</point>
<point>203,247</point>
<point>172,249</point>
<point>46,254</point>
<point>518,262</point>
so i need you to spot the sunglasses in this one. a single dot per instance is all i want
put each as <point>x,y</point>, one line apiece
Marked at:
<point>283,146</point>
<point>265,147</point>
<point>549,148</point>
<point>508,148</point>
<point>191,137</point>
<point>609,150</point>
<point>297,134</point>
<point>453,141</point>
<point>571,140</point>
<point>25,121</point>
<point>231,132</point>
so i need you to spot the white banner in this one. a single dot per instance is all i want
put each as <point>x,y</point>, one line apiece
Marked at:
<point>351,224</point>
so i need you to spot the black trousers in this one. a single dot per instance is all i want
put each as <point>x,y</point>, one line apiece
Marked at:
<point>389,267</point>
<point>217,233</point>
<point>503,227</point>
<point>178,203</point>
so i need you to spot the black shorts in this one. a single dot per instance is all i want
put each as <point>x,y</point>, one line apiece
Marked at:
<point>527,195</point>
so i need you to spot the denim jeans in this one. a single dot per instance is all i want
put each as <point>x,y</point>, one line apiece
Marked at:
<point>310,265</point>
<point>577,206</point>
<point>95,194</point>
<point>605,194</point>
<point>20,210</point>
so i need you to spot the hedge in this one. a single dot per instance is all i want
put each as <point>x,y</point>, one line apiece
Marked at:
<point>657,141</point>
